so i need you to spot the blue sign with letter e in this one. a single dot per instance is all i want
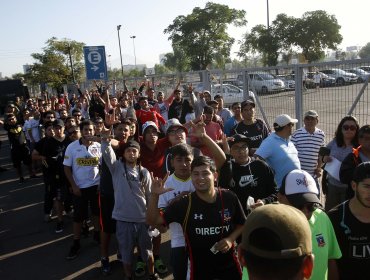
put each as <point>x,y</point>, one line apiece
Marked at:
<point>95,63</point>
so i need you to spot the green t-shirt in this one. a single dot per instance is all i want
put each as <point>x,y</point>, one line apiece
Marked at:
<point>324,245</point>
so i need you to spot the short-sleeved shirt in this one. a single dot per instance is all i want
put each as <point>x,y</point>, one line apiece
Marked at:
<point>256,132</point>
<point>84,162</point>
<point>178,185</point>
<point>154,160</point>
<point>324,244</point>
<point>354,241</point>
<point>207,224</point>
<point>308,146</point>
<point>280,154</point>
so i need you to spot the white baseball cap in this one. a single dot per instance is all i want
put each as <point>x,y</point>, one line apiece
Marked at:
<point>283,120</point>
<point>300,187</point>
<point>147,124</point>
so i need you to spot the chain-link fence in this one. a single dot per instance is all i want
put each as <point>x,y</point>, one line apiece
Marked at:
<point>334,89</point>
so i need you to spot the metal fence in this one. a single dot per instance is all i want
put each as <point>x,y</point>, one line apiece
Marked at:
<point>290,90</point>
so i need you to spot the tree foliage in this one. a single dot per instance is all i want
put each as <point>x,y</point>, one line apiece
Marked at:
<point>202,35</point>
<point>311,34</point>
<point>52,66</point>
<point>365,51</point>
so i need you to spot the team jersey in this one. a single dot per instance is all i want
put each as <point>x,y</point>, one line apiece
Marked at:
<point>255,132</point>
<point>207,223</point>
<point>84,162</point>
<point>354,241</point>
<point>179,186</point>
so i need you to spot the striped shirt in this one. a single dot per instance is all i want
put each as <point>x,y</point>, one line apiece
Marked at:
<point>308,146</point>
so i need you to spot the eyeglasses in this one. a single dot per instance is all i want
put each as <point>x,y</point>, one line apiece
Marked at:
<point>176,131</point>
<point>349,127</point>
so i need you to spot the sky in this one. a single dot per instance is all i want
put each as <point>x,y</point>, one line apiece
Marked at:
<point>25,25</point>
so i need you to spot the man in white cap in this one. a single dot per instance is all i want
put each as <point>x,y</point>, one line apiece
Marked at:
<point>299,189</point>
<point>278,150</point>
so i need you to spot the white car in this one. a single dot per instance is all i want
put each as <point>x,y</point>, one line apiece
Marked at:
<point>341,77</point>
<point>361,74</point>
<point>230,93</point>
<point>265,82</point>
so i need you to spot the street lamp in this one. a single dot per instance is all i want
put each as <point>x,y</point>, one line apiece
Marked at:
<point>120,52</point>
<point>268,16</point>
<point>133,42</point>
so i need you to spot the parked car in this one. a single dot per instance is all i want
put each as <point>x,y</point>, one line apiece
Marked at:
<point>230,93</point>
<point>288,81</point>
<point>365,68</point>
<point>265,82</point>
<point>326,81</point>
<point>361,74</point>
<point>341,77</point>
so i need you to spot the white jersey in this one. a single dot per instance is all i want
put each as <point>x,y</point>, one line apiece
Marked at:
<point>84,162</point>
<point>178,186</point>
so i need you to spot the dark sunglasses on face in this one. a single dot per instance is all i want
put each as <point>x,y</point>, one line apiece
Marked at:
<point>350,127</point>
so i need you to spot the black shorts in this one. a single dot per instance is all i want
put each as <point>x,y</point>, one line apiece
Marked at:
<point>20,154</point>
<point>106,204</point>
<point>89,196</point>
<point>58,188</point>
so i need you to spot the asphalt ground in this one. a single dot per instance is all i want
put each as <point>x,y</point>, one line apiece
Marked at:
<point>29,247</point>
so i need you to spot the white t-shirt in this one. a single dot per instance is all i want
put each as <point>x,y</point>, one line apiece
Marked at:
<point>178,186</point>
<point>84,162</point>
<point>32,126</point>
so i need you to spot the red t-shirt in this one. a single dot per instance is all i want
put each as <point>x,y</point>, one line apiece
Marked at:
<point>214,131</point>
<point>154,160</point>
<point>151,115</point>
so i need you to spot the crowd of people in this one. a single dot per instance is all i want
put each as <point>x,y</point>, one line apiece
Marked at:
<point>240,201</point>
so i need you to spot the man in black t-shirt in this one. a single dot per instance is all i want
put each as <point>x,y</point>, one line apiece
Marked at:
<point>211,219</point>
<point>254,129</point>
<point>351,222</point>
<point>250,179</point>
<point>53,151</point>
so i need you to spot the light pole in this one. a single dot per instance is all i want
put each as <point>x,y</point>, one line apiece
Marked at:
<point>133,43</point>
<point>268,16</point>
<point>120,52</point>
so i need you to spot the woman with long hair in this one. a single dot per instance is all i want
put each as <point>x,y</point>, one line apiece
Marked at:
<point>346,138</point>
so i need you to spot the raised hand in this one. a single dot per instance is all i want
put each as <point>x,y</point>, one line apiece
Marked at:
<point>158,184</point>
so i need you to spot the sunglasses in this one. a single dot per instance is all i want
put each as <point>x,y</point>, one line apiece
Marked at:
<point>349,127</point>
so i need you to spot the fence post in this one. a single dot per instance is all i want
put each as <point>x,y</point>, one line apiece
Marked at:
<point>298,94</point>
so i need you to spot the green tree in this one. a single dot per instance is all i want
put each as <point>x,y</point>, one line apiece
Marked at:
<point>176,60</point>
<point>365,51</point>
<point>52,66</point>
<point>202,35</point>
<point>315,32</point>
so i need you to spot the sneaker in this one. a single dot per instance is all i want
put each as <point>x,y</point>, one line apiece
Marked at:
<point>96,236</point>
<point>159,266</point>
<point>47,218</point>
<point>21,180</point>
<point>154,276</point>
<point>140,269</point>
<point>105,266</point>
<point>59,227</point>
<point>73,252</point>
